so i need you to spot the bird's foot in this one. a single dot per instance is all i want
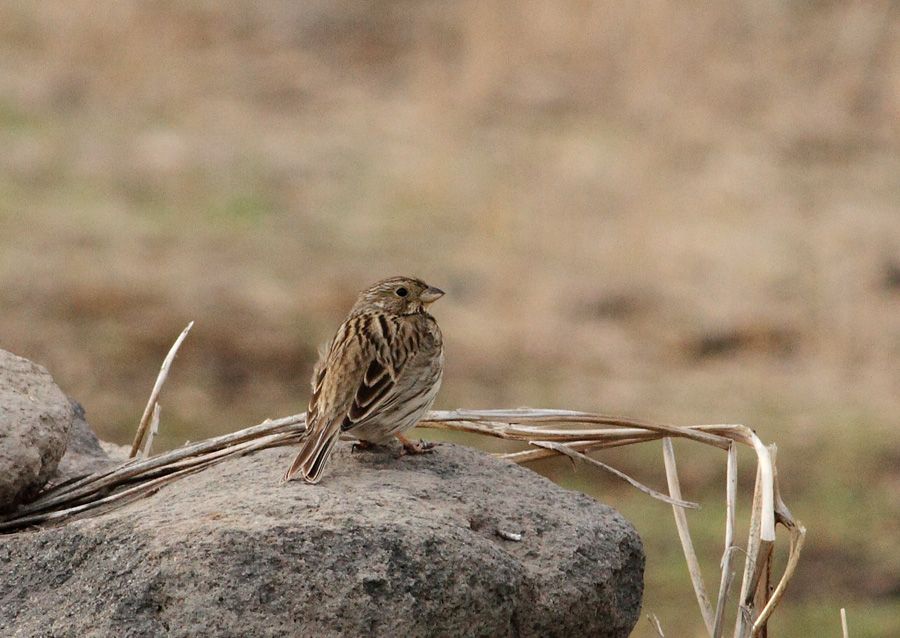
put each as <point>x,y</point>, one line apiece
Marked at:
<point>361,446</point>
<point>415,447</point>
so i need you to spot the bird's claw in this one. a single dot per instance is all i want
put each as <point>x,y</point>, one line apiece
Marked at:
<point>360,446</point>
<point>417,447</point>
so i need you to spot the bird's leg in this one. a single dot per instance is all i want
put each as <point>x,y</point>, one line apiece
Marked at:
<point>361,446</point>
<point>415,447</point>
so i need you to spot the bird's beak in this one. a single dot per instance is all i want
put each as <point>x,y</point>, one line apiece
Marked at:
<point>431,295</point>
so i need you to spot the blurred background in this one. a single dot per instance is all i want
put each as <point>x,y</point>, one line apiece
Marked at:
<point>682,213</point>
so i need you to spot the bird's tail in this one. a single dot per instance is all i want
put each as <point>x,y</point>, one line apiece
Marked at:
<point>313,455</point>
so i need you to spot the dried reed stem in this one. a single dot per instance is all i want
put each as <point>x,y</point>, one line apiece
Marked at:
<point>134,468</point>
<point>727,575</point>
<point>744,621</point>
<point>576,456</point>
<point>797,539</point>
<point>654,622</point>
<point>157,388</point>
<point>684,534</point>
<point>154,430</point>
<point>526,456</point>
<point>514,424</point>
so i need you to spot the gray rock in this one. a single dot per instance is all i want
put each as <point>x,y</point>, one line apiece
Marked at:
<point>35,417</point>
<point>384,546</point>
<point>84,453</point>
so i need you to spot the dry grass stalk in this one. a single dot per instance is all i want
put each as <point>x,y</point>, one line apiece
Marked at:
<point>673,500</point>
<point>518,424</point>
<point>757,554</point>
<point>567,433</point>
<point>157,388</point>
<point>762,577</point>
<point>727,575</point>
<point>154,430</point>
<point>121,497</point>
<point>654,621</point>
<point>797,539</point>
<point>684,535</point>
<point>134,469</point>
<point>844,629</point>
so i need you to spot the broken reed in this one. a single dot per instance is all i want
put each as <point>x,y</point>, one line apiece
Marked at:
<point>548,433</point>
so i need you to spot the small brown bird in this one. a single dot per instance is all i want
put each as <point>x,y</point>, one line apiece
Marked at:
<point>377,377</point>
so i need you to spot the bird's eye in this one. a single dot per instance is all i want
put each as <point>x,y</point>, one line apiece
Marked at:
<point>401,291</point>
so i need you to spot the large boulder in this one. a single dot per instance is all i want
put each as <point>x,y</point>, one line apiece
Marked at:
<point>35,417</point>
<point>84,451</point>
<point>454,543</point>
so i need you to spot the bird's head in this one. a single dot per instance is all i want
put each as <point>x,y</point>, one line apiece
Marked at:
<point>398,296</point>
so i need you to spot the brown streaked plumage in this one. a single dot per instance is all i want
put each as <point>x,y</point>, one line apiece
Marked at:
<point>378,375</point>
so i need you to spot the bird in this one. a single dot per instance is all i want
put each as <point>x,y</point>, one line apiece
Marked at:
<point>378,375</point>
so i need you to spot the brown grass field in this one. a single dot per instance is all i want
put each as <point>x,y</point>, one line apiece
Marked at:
<point>682,213</point>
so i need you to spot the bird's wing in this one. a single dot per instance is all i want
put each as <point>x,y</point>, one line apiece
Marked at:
<point>335,379</point>
<point>361,369</point>
<point>353,382</point>
<point>389,349</point>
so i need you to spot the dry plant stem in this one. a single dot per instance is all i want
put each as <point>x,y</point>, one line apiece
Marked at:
<point>526,456</point>
<point>601,439</point>
<point>151,480</point>
<point>761,592</point>
<point>157,388</point>
<point>238,449</point>
<point>575,456</point>
<point>135,491</point>
<point>511,424</point>
<point>82,487</point>
<point>766,481</point>
<point>730,502</point>
<point>844,629</point>
<point>758,593</point>
<point>726,580</point>
<point>134,468</point>
<point>763,579</point>
<point>798,537</point>
<point>154,430</point>
<point>727,575</point>
<point>654,621</point>
<point>685,535</point>
<point>744,621</point>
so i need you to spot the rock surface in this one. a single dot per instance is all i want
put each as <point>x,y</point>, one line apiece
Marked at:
<point>84,452</point>
<point>35,417</point>
<point>384,546</point>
